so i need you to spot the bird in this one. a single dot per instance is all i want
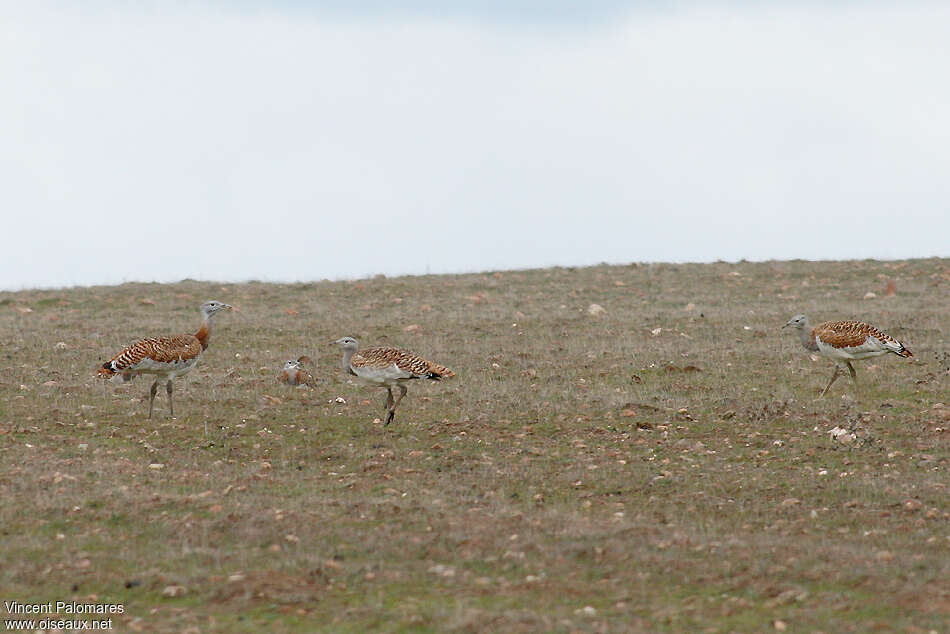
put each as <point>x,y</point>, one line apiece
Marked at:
<point>294,374</point>
<point>164,357</point>
<point>844,342</point>
<point>390,368</point>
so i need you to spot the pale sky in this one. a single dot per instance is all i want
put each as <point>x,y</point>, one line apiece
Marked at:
<point>292,141</point>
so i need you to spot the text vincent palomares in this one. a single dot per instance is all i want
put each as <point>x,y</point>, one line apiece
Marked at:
<point>63,607</point>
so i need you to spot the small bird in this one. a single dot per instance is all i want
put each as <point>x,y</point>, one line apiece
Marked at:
<point>844,342</point>
<point>165,357</point>
<point>294,374</point>
<point>389,368</point>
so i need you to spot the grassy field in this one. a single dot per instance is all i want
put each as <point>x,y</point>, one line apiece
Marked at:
<point>660,466</point>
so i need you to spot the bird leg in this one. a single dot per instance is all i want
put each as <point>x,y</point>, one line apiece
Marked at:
<point>389,398</point>
<point>392,410</point>
<point>168,389</point>
<point>151,397</point>
<point>834,377</point>
<point>854,376</point>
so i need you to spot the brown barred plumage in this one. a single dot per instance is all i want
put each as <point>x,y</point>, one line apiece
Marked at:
<point>164,357</point>
<point>851,334</point>
<point>160,350</point>
<point>384,357</point>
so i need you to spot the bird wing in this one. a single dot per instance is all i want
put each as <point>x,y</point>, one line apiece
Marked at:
<point>302,377</point>
<point>401,364</point>
<point>159,350</point>
<point>858,336</point>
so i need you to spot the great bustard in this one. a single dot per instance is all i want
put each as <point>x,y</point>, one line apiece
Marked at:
<point>294,374</point>
<point>165,357</point>
<point>844,342</point>
<point>389,368</point>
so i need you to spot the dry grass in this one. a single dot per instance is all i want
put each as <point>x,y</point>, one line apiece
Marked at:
<point>574,477</point>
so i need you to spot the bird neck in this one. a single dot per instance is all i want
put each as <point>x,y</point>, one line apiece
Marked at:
<point>204,333</point>
<point>348,353</point>
<point>806,335</point>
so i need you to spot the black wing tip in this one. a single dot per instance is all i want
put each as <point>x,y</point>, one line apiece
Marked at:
<point>107,365</point>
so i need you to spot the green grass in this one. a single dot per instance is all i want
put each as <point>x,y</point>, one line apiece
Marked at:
<point>577,462</point>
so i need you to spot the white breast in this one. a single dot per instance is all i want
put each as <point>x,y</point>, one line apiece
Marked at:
<point>381,376</point>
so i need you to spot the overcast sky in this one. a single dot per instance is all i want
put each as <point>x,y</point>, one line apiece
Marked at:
<point>299,141</point>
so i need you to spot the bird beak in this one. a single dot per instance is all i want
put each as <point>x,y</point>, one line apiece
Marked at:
<point>234,308</point>
<point>785,326</point>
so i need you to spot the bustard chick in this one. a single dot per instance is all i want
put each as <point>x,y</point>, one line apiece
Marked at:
<point>294,374</point>
<point>389,368</point>
<point>164,357</point>
<point>844,342</point>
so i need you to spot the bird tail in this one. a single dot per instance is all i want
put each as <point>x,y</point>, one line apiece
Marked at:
<point>904,352</point>
<point>438,372</point>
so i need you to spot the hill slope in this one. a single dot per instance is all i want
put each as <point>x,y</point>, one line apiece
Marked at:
<point>661,465</point>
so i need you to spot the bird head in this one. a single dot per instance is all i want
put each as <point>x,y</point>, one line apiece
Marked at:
<point>210,308</point>
<point>290,364</point>
<point>798,321</point>
<point>348,343</point>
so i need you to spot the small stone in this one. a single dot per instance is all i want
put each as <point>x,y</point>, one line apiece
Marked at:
<point>156,466</point>
<point>842,435</point>
<point>174,591</point>
<point>596,309</point>
<point>912,506</point>
<point>443,570</point>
